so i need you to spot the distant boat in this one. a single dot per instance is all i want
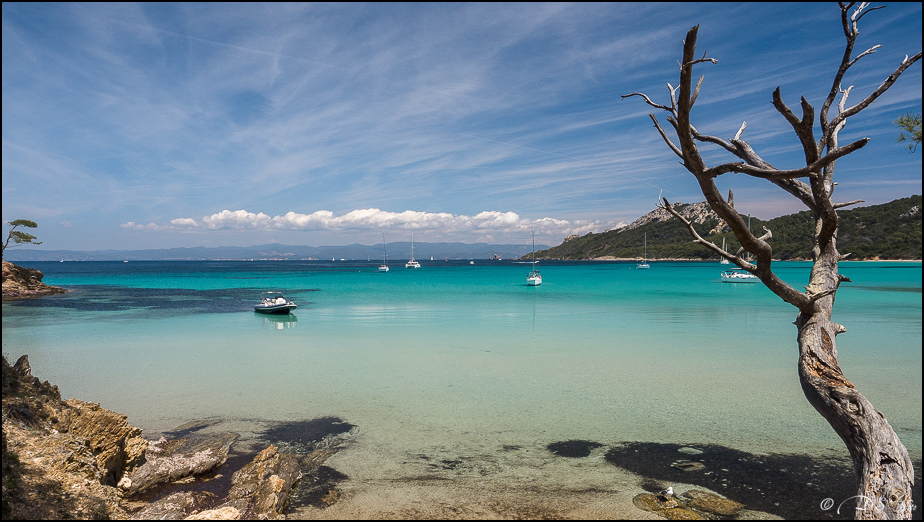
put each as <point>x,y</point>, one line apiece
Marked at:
<point>274,303</point>
<point>384,266</point>
<point>736,275</point>
<point>723,261</point>
<point>534,278</point>
<point>644,264</point>
<point>410,262</point>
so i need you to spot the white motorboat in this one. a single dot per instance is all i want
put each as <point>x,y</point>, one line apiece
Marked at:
<point>274,303</point>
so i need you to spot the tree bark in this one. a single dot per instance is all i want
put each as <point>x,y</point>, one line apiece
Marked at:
<point>883,468</point>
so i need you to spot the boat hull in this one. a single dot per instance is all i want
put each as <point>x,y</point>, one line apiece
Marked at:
<point>739,277</point>
<point>274,309</point>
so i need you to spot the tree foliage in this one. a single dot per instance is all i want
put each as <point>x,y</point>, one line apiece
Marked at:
<point>19,237</point>
<point>910,123</point>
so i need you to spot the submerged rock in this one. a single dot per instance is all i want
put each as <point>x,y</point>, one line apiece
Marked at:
<point>711,503</point>
<point>669,508</point>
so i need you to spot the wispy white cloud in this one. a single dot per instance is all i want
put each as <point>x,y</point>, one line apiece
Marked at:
<point>439,223</point>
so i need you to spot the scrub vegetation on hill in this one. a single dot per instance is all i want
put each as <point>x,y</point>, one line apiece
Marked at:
<point>888,231</point>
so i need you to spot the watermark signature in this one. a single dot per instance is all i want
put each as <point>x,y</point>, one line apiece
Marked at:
<point>863,503</point>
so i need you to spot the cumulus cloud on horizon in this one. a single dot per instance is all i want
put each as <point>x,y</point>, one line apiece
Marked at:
<point>484,223</point>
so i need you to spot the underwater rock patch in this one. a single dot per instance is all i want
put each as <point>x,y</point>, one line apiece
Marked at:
<point>573,448</point>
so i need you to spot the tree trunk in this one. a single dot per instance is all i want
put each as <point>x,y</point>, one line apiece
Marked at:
<point>883,467</point>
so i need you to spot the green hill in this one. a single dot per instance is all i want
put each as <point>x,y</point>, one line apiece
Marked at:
<point>888,231</point>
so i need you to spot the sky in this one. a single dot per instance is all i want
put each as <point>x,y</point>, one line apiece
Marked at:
<point>159,125</point>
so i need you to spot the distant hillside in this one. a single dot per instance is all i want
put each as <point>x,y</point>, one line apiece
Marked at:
<point>889,231</point>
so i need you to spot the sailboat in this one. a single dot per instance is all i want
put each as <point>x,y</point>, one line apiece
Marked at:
<point>534,278</point>
<point>644,264</point>
<point>384,266</point>
<point>410,262</point>
<point>723,261</point>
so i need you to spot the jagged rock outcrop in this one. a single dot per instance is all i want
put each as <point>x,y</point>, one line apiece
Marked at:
<point>262,487</point>
<point>51,456</point>
<point>697,213</point>
<point>75,459</point>
<point>116,445</point>
<point>25,282</point>
<point>259,491</point>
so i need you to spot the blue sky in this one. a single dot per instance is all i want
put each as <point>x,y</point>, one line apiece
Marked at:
<point>157,125</point>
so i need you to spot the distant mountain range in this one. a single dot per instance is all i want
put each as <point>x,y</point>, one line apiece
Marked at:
<point>888,231</point>
<point>397,251</point>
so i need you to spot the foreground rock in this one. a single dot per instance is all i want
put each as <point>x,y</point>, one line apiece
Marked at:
<point>74,459</point>
<point>169,461</point>
<point>697,505</point>
<point>25,282</point>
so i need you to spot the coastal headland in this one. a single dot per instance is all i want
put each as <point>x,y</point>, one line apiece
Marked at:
<point>19,282</point>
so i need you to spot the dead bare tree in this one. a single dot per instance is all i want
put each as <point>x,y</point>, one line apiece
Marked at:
<point>882,464</point>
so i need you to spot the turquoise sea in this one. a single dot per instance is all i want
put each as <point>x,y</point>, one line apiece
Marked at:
<point>460,359</point>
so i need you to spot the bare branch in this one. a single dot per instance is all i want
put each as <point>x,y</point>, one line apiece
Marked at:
<point>673,92</point>
<point>648,101</point>
<point>665,136</point>
<point>871,50</point>
<point>666,205</point>
<point>771,174</point>
<point>857,16</point>
<point>712,139</point>
<point>906,63</point>
<point>696,91</point>
<point>738,134</point>
<point>701,60</point>
<point>848,203</point>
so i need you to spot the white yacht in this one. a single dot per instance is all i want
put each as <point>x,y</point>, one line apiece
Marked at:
<point>410,262</point>
<point>644,264</point>
<point>534,278</point>
<point>384,266</point>
<point>736,275</point>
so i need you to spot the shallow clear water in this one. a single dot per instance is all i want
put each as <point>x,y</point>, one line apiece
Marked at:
<point>459,355</point>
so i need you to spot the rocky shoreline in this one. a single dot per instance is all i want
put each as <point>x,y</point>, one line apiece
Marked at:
<point>20,282</point>
<point>75,459</point>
